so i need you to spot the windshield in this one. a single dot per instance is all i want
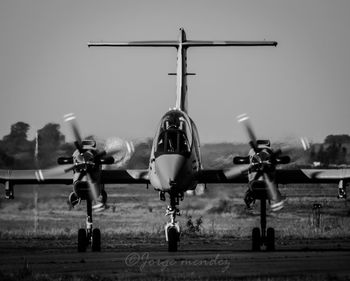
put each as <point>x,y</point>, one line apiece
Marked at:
<point>174,134</point>
<point>172,141</point>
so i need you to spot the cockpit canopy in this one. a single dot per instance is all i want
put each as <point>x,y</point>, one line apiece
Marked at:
<point>174,134</point>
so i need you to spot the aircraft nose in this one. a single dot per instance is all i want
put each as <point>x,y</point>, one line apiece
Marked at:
<point>168,168</point>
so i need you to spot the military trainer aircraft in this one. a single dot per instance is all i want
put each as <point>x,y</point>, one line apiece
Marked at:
<point>175,162</point>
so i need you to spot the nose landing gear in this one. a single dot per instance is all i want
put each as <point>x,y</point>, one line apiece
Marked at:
<point>262,237</point>
<point>172,228</point>
<point>89,236</point>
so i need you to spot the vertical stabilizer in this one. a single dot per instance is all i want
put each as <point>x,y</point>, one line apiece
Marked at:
<point>182,44</point>
<point>181,73</point>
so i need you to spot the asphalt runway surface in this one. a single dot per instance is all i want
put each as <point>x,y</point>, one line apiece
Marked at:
<point>195,259</point>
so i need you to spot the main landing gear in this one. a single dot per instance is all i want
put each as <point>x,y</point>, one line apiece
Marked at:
<point>89,236</point>
<point>172,228</point>
<point>263,237</point>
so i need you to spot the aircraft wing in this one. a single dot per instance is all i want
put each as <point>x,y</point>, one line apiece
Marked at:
<point>124,176</point>
<point>282,176</point>
<point>312,175</point>
<point>222,176</point>
<point>59,176</point>
<point>49,176</point>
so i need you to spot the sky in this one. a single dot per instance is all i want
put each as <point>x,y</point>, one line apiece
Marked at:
<point>299,88</point>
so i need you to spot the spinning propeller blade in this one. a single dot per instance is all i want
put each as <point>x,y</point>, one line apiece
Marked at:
<point>236,171</point>
<point>303,141</point>
<point>119,149</point>
<point>244,119</point>
<point>71,119</point>
<point>276,197</point>
<point>93,186</point>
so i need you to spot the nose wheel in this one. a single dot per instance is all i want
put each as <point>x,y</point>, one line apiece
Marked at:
<point>263,237</point>
<point>82,240</point>
<point>172,228</point>
<point>173,237</point>
<point>89,236</point>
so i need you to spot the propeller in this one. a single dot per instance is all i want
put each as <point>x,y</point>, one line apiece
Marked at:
<point>87,156</point>
<point>114,147</point>
<point>263,160</point>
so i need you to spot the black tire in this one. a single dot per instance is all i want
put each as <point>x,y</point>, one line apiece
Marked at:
<point>256,239</point>
<point>270,239</point>
<point>82,240</point>
<point>96,240</point>
<point>173,238</point>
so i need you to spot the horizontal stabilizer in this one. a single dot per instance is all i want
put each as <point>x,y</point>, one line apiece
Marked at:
<point>193,43</point>
<point>198,43</point>
<point>135,44</point>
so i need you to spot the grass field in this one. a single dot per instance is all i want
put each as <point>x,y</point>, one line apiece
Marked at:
<point>136,215</point>
<point>136,211</point>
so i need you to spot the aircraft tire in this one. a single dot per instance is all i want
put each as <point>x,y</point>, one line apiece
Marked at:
<point>82,240</point>
<point>256,239</point>
<point>173,238</point>
<point>270,239</point>
<point>96,240</point>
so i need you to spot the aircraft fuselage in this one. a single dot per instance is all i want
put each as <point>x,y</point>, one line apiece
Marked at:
<point>175,156</point>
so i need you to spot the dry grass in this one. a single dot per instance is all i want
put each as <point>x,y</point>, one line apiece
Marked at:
<point>135,210</point>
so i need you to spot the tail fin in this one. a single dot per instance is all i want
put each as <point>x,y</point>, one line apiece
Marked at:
<point>182,44</point>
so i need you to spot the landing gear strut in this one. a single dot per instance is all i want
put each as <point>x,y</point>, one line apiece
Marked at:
<point>172,228</point>
<point>262,236</point>
<point>89,236</point>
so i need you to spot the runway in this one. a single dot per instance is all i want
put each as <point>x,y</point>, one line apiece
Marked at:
<point>197,259</point>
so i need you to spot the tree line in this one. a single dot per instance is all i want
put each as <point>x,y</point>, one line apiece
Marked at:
<point>334,151</point>
<point>17,152</point>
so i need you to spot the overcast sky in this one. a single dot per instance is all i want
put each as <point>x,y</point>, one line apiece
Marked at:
<point>299,88</point>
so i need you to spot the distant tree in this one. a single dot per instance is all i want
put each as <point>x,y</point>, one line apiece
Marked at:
<point>321,156</point>
<point>50,140</point>
<point>17,140</point>
<point>6,161</point>
<point>18,150</point>
<point>312,154</point>
<point>332,153</point>
<point>341,139</point>
<point>343,154</point>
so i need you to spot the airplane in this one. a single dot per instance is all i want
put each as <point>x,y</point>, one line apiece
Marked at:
<point>175,163</point>
<point>262,184</point>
